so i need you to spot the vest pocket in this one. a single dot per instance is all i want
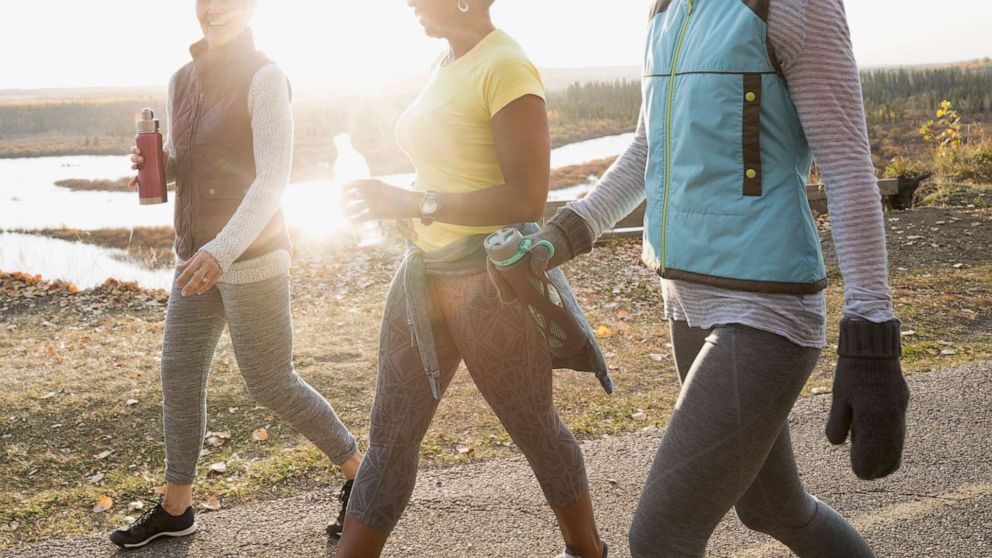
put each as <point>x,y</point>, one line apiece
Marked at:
<point>751,132</point>
<point>220,190</point>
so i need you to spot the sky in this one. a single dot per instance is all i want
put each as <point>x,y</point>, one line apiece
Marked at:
<point>347,43</point>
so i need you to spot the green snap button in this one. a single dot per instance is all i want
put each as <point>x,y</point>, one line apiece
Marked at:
<point>751,97</point>
<point>751,173</point>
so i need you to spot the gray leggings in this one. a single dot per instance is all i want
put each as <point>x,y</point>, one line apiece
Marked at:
<point>509,363</point>
<point>728,445</point>
<point>262,335</point>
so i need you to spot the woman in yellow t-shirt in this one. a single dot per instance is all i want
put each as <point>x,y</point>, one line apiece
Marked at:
<point>478,137</point>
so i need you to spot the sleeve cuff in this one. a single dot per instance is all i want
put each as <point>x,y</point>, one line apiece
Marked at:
<point>864,339</point>
<point>223,259</point>
<point>576,231</point>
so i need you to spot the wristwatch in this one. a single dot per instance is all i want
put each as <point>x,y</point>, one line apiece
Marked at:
<point>429,207</point>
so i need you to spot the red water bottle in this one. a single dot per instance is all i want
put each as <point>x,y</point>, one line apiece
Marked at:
<point>151,176</point>
<point>509,251</point>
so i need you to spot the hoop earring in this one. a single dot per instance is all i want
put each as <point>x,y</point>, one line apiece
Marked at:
<point>463,6</point>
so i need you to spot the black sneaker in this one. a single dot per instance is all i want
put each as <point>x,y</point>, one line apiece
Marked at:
<point>334,529</point>
<point>154,523</point>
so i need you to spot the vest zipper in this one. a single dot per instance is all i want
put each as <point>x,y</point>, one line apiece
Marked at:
<point>194,189</point>
<point>668,133</point>
<point>192,129</point>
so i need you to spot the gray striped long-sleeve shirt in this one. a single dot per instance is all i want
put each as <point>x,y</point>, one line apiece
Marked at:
<point>813,41</point>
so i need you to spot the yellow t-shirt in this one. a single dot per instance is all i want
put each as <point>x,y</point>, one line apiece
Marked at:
<point>447,131</point>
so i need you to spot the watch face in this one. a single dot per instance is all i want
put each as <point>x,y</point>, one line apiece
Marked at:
<point>429,206</point>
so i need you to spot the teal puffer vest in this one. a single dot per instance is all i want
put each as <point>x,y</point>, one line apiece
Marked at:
<point>728,159</point>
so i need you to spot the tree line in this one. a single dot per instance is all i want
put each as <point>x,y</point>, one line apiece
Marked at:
<point>581,111</point>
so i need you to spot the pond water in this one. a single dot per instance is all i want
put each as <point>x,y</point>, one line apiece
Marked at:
<point>30,200</point>
<point>84,265</point>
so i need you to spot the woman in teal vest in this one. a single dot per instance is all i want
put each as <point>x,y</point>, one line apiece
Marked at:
<point>739,95</point>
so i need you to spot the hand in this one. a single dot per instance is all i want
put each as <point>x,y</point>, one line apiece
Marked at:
<point>137,160</point>
<point>570,236</point>
<point>870,397</point>
<point>374,200</point>
<point>199,274</point>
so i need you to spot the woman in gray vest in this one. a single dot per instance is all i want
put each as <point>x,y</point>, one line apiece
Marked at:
<point>229,154</point>
<point>739,95</point>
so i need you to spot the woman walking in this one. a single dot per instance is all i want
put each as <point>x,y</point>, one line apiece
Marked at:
<point>739,95</point>
<point>478,137</point>
<point>229,153</point>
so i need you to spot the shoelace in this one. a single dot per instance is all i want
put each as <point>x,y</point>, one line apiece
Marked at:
<point>343,494</point>
<point>146,516</point>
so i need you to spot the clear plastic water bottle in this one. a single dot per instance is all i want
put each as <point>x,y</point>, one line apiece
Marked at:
<point>350,165</point>
<point>368,234</point>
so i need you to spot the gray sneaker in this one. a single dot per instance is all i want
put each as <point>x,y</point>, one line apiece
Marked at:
<point>568,553</point>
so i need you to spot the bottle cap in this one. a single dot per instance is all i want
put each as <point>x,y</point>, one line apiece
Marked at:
<point>146,121</point>
<point>503,245</point>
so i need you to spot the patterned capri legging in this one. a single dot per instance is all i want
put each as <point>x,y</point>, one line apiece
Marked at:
<point>509,363</point>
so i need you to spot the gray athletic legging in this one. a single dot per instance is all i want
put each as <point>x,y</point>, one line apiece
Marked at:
<point>728,445</point>
<point>262,336</point>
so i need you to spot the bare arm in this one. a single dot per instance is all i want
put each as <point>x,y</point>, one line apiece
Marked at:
<point>523,147</point>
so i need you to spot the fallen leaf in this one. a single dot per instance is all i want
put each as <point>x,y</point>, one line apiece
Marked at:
<point>908,333</point>
<point>95,478</point>
<point>623,314</point>
<point>260,435</point>
<point>603,332</point>
<point>104,454</point>
<point>136,505</point>
<point>103,503</point>
<point>212,503</point>
<point>639,416</point>
<point>657,357</point>
<point>49,395</point>
<point>159,490</point>
<point>223,435</point>
<point>948,352</point>
<point>821,390</point>
<point>218,467</point>
<point>131,402</point>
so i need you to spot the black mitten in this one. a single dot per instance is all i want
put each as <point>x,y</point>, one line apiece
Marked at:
<point>870,397</point>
